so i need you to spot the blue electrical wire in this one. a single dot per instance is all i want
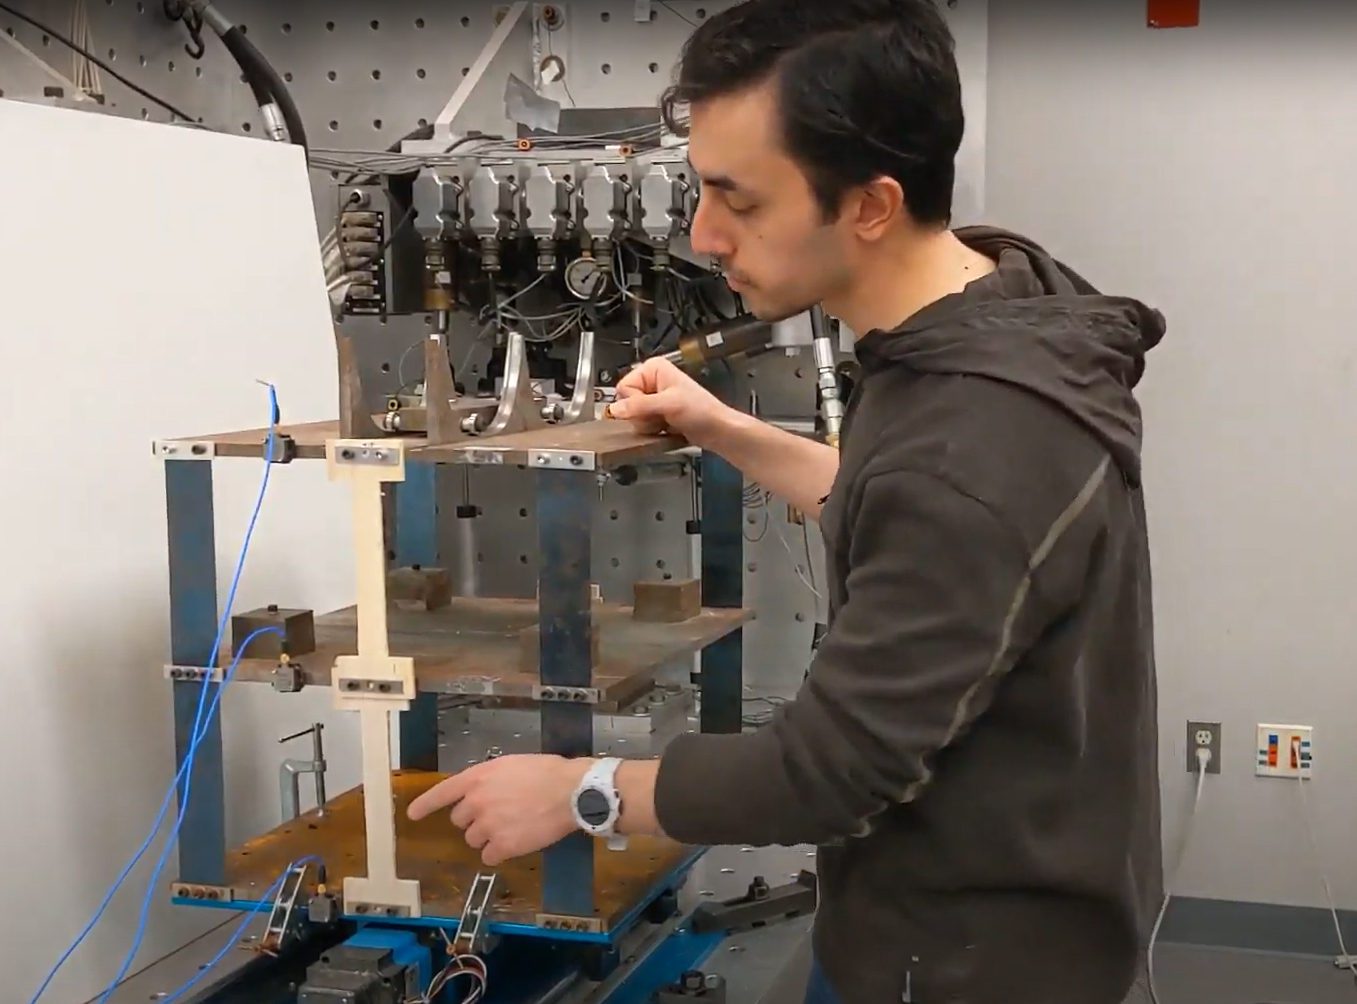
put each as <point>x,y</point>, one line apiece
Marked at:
<point>199,730</point>
<point>239,932</point>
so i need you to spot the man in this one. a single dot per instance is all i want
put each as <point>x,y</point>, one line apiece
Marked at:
<point>974,750</point>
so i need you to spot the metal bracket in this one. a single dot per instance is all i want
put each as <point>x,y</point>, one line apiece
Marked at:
<point>203,893</point>
<point>568,695</point>
<point>577,925</point>
<point>562,460</point>
<point>183,449</point>
<point>581,404</point>
<point>517,408</point>
<point>758,907</point>
<point>193,674</point>
<point>468,937</point>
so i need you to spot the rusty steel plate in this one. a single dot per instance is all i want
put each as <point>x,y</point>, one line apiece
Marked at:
<point>474,646</point>
<point>434,852</point>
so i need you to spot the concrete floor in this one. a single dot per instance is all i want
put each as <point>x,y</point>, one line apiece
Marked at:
<point>1187,974</point>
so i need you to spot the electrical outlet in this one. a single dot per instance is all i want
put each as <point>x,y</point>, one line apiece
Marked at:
<point>1285,751</point>
<point>1203,735</point>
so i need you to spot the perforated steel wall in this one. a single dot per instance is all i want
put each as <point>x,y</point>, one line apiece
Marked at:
<point>364,73</point>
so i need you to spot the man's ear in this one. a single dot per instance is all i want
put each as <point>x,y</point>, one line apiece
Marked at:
<point>873,207</point>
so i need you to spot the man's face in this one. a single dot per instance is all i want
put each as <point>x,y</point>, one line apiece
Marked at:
<point>757,213</point>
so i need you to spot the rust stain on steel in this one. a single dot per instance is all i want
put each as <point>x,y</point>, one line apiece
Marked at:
<point>434,852</point>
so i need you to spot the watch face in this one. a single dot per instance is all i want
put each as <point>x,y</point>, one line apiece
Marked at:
<point>593,806</point>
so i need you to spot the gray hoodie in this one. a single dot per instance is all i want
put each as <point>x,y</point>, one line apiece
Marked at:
<point>974,749</point>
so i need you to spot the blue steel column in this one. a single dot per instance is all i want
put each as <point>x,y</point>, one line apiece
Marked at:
<point>193,631</point>
<point>722,586</point>
<point>564,532</point>
<point>417,545</point>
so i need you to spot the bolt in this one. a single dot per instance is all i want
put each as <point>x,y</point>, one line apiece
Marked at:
<point>576,460</point>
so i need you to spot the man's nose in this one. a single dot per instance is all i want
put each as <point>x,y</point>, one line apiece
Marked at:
<point>707,236</point>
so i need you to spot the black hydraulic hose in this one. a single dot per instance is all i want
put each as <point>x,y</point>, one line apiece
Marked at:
<point>264,81</point>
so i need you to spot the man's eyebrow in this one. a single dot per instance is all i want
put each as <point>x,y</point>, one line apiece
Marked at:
<point>720,181</point>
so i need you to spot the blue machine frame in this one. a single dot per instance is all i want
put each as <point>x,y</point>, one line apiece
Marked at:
<point>565,501</point>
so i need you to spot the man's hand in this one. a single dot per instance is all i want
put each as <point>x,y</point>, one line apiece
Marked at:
<point>509,806</point>
<point>657,396</point>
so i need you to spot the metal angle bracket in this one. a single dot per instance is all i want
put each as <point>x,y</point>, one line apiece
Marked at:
<point>202,893</point>
<point>194,674</point>
<point>567,695</point>
<point>184,449</point>
<point>563,460</point>
<point>574,925</point>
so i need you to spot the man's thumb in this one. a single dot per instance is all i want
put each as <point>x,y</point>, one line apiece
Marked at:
<point>642,406</point>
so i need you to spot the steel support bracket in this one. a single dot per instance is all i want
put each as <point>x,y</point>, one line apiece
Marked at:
<point>563,460</point>
<point>576,925</point>
<point>569,695</point>
<point>184,449</point>
<point>202,893</point>
<point>194,674</point>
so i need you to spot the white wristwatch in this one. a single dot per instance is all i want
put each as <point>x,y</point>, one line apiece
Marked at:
<point>597,805</point>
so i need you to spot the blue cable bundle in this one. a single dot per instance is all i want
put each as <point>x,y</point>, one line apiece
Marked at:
<point>202,722</point>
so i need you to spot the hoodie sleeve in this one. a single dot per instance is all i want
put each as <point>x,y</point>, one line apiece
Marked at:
<point>938,607</point>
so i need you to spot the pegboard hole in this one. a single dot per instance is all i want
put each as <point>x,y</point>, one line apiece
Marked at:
<point>375,25</point>
<point>112,53</point>
<point>46,40</point>
<point>329,26</point>
<point>615,562</point>
<point>376,123</point>
<point>523,514</point>
<point>654,67</point>
<point>522,559</point>
<point>466,22</point>
<point>376,74</point>
<point>170,65</point>
<point>605,16</point>
<point>287,77</point>
<point>607,67</point>
<point>245,126</point>
<point>332,75</point>
<point>660,564</point>
<point>386,367</point>
<point>659,517</point>
<point>198,71</point>
<point>141,8</point>
<point>334,125</point>
<point>422,123</point>
<point>613,515</point>
<point>419,22</point>
<point>421,73</point>
<point>465,70</point>
<point>701,13</point>
<point>287,28</point>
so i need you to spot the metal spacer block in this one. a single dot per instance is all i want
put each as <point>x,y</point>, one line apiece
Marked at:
<point>376,910</point>
<point>568,695</point>
<point>194,674</point>
<point>203,893</point>
<point>563,460</point>
<point>180,449</point>
<point>576,925</point>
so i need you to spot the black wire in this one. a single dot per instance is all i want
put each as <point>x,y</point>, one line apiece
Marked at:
<point>97,62</point>
<point>405,219</point>
<point>675,13</point>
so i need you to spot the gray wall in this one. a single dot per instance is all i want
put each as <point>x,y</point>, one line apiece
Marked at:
<point>1210,171</point>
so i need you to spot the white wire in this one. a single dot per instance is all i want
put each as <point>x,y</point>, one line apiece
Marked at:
<point>782,538</point>
<point>1203,758</point>
<point>1344,959</point>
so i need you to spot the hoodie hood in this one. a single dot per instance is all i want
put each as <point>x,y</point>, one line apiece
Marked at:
<point>1036,324</point>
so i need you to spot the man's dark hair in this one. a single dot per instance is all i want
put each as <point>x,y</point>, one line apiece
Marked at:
<point>866,88</point>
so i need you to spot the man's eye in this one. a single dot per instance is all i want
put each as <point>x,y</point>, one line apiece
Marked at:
<point>740,209</point>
